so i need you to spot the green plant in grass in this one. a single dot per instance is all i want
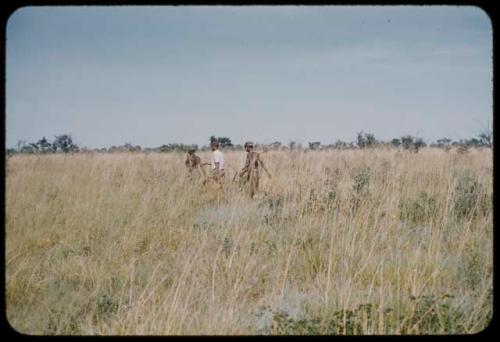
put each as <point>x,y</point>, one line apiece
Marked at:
<point>418,210</point>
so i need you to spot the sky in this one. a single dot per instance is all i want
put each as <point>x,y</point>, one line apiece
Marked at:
<point>153,75</point>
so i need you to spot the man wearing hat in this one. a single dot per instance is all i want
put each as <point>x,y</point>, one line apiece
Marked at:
<point>217,162</point>
<point>250,172</point>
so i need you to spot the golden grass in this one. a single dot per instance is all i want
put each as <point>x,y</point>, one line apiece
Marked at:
<point>336,242</point>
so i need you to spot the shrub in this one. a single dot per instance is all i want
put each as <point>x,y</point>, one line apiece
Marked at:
<point>433,315</point>
<point>64,143</point>
<point>366,140</point>
<point>407,142</point>
<point>360,187</point>
<point>105,305</point>
<point>396,142</point>
<point>419,209</point>
<point>315,145</point>
<point>362,181</point>
<point>430,315</point>
<point>274,205</point>
<point>469,198</point>
<point>472,269</point>
<point>412,143</point>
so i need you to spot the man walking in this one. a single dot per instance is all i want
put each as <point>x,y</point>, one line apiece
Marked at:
<point>217,163</point>
<point>250,172</point>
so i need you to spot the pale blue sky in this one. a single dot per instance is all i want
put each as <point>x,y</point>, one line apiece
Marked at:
<point>156,75</point>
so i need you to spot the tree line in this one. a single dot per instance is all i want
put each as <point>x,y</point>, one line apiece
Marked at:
<point>65,144</point>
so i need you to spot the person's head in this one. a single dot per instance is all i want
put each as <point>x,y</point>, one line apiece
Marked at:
<point>215,145</point>
<point>191,151</point>
<point>248,146</point>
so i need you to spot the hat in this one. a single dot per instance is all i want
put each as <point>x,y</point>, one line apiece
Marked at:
<point>215,143</point>
<point>191,150</point>
<point>249,143</point>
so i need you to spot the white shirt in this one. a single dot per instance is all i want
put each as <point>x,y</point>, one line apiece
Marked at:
<point>217,157</point>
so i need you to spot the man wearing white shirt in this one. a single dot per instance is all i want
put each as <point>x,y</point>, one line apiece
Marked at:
<point>217,163</point>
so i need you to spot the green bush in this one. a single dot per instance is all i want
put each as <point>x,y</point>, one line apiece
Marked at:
<point>429,315</point>
<point>105,305</point>
<point>469,199</point>
<point>362,181</point>
<point>360,187</point>
<point>418,210</point>
<point>344,322</point>
<point>275,206</point>
<point>472,269</point>
<point>432,315</point>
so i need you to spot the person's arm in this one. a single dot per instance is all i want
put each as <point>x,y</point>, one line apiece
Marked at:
<point>245,168</point>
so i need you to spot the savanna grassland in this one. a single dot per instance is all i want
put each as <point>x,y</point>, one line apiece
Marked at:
<point>337,242</point>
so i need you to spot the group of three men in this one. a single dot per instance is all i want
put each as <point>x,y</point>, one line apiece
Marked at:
<point>248,175</point>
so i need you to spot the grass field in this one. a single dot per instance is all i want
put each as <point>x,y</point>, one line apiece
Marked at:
<point>336,242</point>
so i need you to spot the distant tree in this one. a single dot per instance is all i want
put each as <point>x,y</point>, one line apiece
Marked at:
<point>29,148</point>
<point>164,148</point>
<point>223,141</point>
<point>370,140</point>
<point>34,146</point>
<point>407,142</point>
<point>64,143</point>
<point>275,145</point>
<point>292,145</point>
<point>23,147</point>
<point>418,144</point>
<point>365,140</point>
<point>486,138</point>
<point>41,146</point>
<point>473,142</point>
<point>412,143</point>
<point>129,147</point>
<point>361,141</point>
<point>314,145</point>
<point>396,142</point>
<point>340,144</point>
<point>44,146</point>
<point>444,142</point>
<point>20,143</point>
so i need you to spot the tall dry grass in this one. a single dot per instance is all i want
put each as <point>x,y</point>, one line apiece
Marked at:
<point>337,242</point>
